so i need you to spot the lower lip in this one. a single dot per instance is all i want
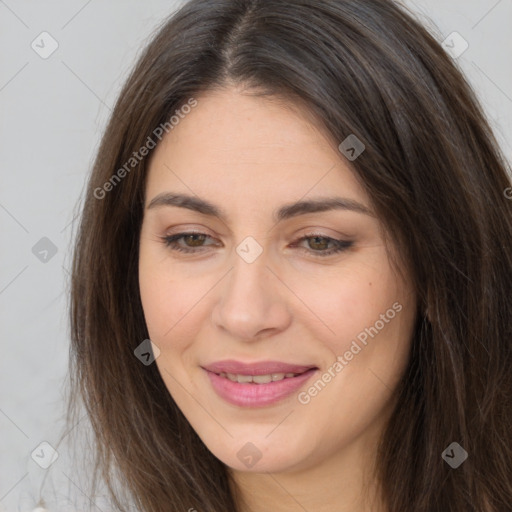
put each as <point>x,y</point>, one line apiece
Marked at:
<point>257,395</point>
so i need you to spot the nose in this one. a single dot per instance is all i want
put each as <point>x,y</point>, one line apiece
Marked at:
<point>252,301</point>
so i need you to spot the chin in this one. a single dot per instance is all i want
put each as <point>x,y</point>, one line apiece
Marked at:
<point>263,453</point>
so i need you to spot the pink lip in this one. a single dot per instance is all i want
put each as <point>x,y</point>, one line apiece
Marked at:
<point>256,395</point>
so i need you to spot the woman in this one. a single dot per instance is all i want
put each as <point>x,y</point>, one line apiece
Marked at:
<point>291,283</point>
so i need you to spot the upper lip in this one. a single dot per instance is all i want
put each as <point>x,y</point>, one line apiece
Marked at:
<point>258,368</point>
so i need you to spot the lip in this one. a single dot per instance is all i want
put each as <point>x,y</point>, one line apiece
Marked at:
<point>257,395</point>
<point>259,368</point>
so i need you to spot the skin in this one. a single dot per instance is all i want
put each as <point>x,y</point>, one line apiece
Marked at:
<point>249,156</point>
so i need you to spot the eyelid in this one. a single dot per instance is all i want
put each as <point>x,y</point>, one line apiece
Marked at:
<point>184,229</point>
<point>303,232</point>
<point>340,245</point>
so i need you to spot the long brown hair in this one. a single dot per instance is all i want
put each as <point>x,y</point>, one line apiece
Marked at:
<point>438,182</point>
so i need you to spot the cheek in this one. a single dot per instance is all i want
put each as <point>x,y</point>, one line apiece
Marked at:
<point>343,302</point>
<point>168,308</point>
<point>166,300</point>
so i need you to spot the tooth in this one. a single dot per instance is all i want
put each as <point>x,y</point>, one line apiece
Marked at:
<point>262,379</point>
<point>257,379</point>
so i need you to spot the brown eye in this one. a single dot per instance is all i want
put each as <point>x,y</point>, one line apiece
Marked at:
<point>194,240</point>
<point>318,242</point>
<point>318,245</point>
<point>191,241</point>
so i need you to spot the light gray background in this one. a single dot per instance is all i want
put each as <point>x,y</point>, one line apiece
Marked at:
<point>53,112</point>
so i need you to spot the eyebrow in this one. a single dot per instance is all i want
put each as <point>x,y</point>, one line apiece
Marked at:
<point>286,211</point>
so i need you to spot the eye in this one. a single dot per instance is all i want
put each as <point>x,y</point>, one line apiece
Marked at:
<point>195,239</point>
<point>319,244</point>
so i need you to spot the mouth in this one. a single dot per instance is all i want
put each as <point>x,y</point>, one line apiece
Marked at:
<point>257,384</point>
<point>257,379</point>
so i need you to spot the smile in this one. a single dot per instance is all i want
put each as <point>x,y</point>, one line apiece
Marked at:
<point>257,379</point>
<point>257,384</point>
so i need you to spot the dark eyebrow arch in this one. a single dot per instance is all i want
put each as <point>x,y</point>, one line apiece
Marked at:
<point>286,211</point>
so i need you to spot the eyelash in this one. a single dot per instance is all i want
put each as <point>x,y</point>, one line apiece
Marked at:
<point>340,245</point>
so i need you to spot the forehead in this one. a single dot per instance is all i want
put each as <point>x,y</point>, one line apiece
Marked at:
<point>230,120</point>
<point>255,147</point>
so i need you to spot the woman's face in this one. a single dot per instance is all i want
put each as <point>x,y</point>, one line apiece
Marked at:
<point>265,290</point>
